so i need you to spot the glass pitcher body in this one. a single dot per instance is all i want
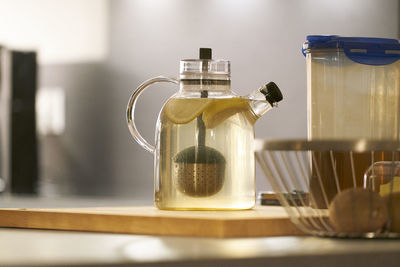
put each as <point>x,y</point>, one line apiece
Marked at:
<point>227,182</point>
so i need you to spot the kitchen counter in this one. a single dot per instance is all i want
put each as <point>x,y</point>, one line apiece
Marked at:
<point>25,247</point>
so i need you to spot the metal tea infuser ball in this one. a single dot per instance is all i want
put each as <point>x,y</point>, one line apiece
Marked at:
<point>199,169</point>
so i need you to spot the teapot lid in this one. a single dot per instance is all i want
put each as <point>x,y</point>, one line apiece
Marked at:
<point>205,67</point>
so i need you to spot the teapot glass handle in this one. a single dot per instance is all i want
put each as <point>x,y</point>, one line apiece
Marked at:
<point>130,111</point>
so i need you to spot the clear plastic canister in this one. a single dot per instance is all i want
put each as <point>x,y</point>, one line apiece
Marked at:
<point>353,92</point>
<point>353,87</point>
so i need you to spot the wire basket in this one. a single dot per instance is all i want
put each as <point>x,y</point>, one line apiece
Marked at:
<point>336,188</point>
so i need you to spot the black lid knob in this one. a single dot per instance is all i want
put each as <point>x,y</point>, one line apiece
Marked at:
<point>272,93</point>
<point>205,53</point>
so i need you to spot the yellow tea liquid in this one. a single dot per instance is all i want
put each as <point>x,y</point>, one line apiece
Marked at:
<point>229,130</point>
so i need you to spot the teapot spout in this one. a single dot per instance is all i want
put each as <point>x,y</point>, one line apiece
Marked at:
<point>264,99</point>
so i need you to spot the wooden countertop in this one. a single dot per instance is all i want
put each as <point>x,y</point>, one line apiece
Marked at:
<point>22,247</point>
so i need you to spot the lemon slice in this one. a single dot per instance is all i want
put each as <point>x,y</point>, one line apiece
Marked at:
<point>221,109</point>
<point>184,110</point>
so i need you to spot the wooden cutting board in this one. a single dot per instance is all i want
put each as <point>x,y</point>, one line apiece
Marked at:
<point>260,221</point>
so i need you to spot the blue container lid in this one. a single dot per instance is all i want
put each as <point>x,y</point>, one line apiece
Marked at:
<point>363,50</point>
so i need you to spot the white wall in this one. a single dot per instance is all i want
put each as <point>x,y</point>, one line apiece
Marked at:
<point>62,31</point>
<point>262,38</point>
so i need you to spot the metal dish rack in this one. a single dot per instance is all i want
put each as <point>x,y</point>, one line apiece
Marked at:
<point>309,178</point>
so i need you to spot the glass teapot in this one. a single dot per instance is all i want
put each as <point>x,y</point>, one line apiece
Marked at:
<point>203,155</point>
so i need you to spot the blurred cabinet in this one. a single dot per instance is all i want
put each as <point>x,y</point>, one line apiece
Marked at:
<point>18,140</point>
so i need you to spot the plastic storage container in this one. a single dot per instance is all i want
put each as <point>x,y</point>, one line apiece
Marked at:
<point>353,90</point>
<point>353,87</point>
